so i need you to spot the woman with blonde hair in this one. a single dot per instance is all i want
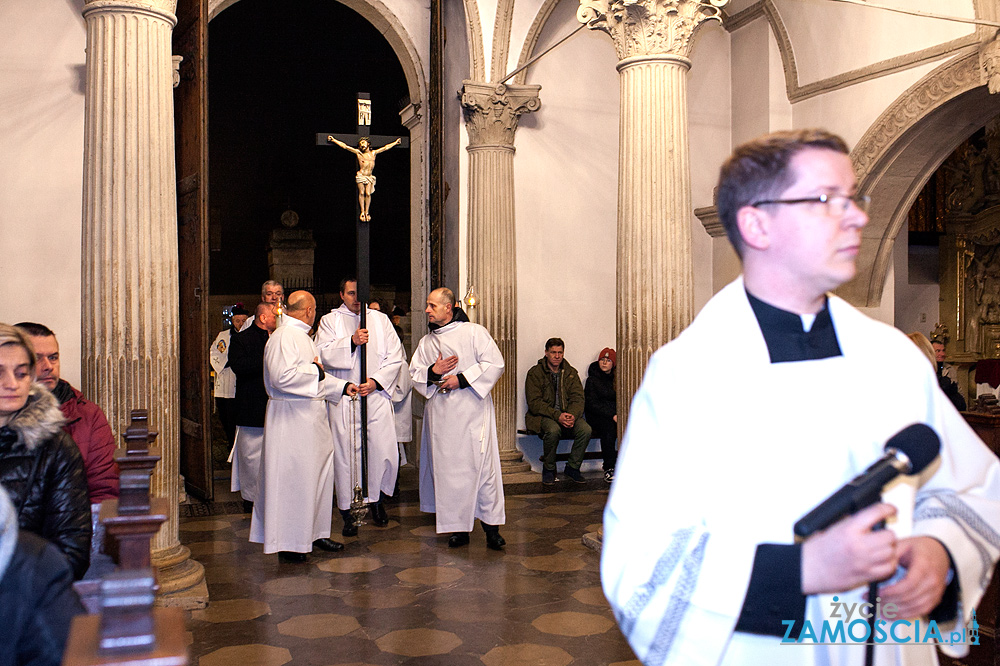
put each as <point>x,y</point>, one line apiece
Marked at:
<point>40,465</point>
<point>924,345</point>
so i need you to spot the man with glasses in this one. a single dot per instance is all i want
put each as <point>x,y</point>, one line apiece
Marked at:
<point>713,576</point>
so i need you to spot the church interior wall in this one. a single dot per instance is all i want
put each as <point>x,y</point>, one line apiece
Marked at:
<point>711,111</point>
<point>852,110</point>
<point>414,17</point>
<point>42,51</point>
<point>831,38</point>
<point>566,199</point>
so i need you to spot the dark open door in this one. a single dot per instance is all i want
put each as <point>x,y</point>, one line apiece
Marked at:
<point>191,127</point>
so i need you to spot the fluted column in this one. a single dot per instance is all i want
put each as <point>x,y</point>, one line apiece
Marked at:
<point>130,274</point>
<point>655,279</point>
<point>491,113</point>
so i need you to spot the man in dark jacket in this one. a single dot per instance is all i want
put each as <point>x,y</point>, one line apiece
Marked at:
<point>246,359</point>
<point>37,601</point>
<point>85,421</point>
<point>555,410</point>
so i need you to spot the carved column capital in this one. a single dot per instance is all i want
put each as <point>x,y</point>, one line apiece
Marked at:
<point>492,109</point>
<point>650,27</point>
<point>989,65</point>
<point>161,10</point>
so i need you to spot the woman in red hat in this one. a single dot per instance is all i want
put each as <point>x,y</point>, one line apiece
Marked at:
<point>601,408</point>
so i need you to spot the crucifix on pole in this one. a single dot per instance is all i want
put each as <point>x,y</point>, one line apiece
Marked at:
<point>365,181</point>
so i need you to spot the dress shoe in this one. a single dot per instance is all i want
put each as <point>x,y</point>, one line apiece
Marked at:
<point>458,539</point>
<point>379,517</point>
<point>548,477</point>
<point>288,557</point>
<point>329,545</point>
<point>573,475</point>
<point>494,541</point>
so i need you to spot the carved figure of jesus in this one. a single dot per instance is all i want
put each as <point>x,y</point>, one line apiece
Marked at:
<point>366,165</point>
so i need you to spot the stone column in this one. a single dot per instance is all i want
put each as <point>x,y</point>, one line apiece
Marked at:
<point>130,295</point>
<point>491,113</point>
<point>655,281</point>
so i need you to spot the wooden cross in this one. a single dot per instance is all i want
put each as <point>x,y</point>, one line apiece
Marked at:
<point>362,218</point>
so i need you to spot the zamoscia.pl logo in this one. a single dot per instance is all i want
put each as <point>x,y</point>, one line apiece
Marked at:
<point>848,624</point>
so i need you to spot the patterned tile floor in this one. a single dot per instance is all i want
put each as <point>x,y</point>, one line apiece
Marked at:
<point>399,595</point>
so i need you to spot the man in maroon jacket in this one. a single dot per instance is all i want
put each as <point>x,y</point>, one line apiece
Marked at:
<point>85,421</point>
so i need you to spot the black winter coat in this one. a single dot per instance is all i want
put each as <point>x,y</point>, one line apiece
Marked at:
<point>53,501</point>
<point>246,358</point>
<point>600,395</point>
<point>37,603</point>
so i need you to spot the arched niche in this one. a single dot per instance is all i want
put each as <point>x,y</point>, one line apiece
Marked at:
<point>414,118</point>
<point>900,151</point>
<point>386,22</point>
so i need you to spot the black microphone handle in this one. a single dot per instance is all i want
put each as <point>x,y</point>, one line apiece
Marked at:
<point>862,491</point>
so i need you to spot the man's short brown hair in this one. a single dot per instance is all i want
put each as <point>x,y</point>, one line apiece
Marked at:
<point>759,170</point>
<point>554,342</point>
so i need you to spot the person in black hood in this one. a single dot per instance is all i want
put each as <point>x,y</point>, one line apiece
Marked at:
<point>601,407</point>
<point>37,601</point>
<point>40,465</point>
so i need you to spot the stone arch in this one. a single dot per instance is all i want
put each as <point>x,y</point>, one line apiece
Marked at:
<point>414,119</point>
<point>531,39</point>
<point>900,151</point>
<point>380,16</point>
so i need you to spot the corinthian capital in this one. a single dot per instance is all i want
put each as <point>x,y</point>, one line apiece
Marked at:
<point>649,27</point>
<point>492,109</point>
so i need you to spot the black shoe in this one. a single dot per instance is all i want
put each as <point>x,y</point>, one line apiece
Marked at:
<point>379,517</point>
<point>548,477</point>
<point>494,541</point>
<point>329,545</point>
<point>573,475</point>
<point>288,557</point>
<point>247,506</point>
<point>350,528</point>
<point>458,539</point>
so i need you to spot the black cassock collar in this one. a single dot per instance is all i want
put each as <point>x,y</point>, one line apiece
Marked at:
<point>786,338</point>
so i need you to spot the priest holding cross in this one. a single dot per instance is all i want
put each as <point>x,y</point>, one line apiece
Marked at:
<point>359,349</point>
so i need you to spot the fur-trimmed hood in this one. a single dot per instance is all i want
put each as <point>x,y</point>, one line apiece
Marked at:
<point>39,420</point>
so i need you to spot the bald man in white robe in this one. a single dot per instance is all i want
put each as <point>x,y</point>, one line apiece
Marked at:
<point>455,367</point>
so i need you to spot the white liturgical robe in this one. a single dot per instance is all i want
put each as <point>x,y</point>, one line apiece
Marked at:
<point>459,454</point>
<point>294,503</point>
<point>385,358</point>
<point>704,478</point>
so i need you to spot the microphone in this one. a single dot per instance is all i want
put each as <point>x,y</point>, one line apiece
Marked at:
<point>909,451</point>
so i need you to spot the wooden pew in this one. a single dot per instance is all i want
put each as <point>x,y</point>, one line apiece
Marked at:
<point>122,626</point>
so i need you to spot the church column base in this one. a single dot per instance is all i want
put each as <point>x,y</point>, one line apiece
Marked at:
<point>181,579</point>
<point>513,462</point>
<point>594,540</point>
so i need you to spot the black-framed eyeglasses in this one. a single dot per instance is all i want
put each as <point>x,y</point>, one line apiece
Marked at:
<point>836,204</point>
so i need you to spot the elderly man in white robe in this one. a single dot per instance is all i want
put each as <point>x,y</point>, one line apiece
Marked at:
<point>294,505</point>
<point>338,340</point>
<point>455,367</point>
<point>699,561</point>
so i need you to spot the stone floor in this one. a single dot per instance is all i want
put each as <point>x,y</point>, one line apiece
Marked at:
<point>399,595</point>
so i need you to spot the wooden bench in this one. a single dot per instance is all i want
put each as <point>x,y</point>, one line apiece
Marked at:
<point>563,457</point>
